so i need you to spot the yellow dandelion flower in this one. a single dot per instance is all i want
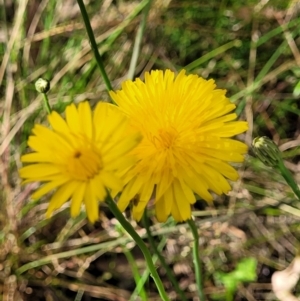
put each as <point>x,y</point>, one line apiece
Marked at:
<point>80,156</point>
<point>186,126</point>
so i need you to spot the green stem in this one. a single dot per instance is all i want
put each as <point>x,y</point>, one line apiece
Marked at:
<point>197,261</point>
<point>46,103</point>
<point>130,230</point>
<point>289,178</point>
<point>94,46</point>
<point>162,259</point>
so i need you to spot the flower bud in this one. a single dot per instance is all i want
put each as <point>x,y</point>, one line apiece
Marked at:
<point>267,151</point>
<point>42,85</point>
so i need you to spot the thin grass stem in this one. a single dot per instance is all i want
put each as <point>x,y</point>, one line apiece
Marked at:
<point>196,63</point>
<point>138,41</point>
<point>79,295</point>
<point>94,45</point>
<point>50,258</point>
<point>135,272</point>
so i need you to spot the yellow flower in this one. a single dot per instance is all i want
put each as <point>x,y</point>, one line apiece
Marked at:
<point>80,157</point>
<point>186,125</point>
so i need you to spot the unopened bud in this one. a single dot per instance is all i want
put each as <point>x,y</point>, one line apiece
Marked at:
<point>267,151</point>
<point>42,85</point>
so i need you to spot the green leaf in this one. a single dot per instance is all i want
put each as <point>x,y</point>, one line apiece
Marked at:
<point>245,271</point>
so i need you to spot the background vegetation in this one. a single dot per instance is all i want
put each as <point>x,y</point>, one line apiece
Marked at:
<point>251,48</point>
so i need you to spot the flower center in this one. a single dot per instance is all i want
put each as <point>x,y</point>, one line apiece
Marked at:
<point>165,138</point>
<point>84,163</point>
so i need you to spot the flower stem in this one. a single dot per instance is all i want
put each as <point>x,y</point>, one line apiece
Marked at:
<point>161,258</point>
<point>130,230</point>
<point>94,45</point>
<point>197,261</point>
<point>46,103</point>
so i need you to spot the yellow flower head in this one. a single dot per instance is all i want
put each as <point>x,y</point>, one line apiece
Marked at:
<point>186,126</point>
<point>80,157</point>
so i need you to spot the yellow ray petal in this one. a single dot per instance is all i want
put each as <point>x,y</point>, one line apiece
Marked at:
<point>61,196</point>
<point>91,204</point>
<point>77,198</point>
<point>85,119</point>
<point>72,119</point>
<point>111,181</point>
<point>164,205</point>
<point>181,208</point>
<point>39,170</point>
<point>48,187</point>
<point>58,123</point>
